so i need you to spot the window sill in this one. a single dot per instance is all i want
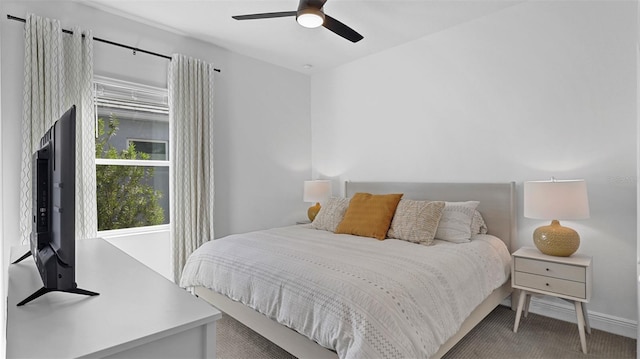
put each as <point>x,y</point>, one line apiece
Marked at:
<point>115,233</point>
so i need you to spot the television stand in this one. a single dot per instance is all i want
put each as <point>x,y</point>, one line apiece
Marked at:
<point>122,322</point>
<point>42,291</point>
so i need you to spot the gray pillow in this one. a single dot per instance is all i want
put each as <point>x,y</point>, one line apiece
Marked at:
<point>331,214</point>
<point>416,221</point>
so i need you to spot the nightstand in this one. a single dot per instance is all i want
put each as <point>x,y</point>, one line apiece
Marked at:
<point>569,278</point>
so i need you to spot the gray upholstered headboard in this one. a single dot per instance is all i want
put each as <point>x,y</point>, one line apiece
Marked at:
<point>497,200</point>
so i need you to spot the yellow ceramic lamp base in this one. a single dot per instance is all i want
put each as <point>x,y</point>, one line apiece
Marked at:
<point>313,211</point>
<point>556,240</point>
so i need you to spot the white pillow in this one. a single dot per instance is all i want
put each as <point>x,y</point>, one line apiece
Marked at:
<point>456,220</point>
<point>331,214</point>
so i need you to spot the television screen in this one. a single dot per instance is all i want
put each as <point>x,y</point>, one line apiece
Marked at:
<point>53,241</point>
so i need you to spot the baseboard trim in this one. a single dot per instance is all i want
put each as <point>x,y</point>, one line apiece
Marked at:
<point>565,311</point>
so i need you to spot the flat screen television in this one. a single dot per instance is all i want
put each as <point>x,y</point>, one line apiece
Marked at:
<point>53,240</point>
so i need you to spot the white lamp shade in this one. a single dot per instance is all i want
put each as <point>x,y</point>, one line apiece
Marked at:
<point>317,191</point>
<point>556,199</point>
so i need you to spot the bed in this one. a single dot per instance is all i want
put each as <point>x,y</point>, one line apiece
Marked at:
<point>335,304</point>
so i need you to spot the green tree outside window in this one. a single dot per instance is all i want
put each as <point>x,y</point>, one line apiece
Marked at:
<point>124,197</point>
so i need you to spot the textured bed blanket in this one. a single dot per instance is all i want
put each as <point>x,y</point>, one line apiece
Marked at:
<point>361,297</point>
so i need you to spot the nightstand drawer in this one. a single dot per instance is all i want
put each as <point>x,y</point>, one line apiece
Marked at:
<point>550,269</point>
<point>548,284</point>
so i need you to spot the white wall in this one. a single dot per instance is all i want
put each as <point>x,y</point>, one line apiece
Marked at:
<point>261,112</point>
<point>4,282</point>
<point>536,90</point>
<point>638,174</point>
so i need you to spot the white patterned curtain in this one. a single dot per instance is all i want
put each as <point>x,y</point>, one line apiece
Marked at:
<point>191,127</point>
<point>58,73</point>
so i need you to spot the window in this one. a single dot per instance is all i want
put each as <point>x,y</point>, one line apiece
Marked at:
<point>132,155</point>
<point>157,150</point>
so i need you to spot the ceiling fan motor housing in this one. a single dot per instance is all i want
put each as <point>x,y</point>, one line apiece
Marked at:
<point>310,13</point>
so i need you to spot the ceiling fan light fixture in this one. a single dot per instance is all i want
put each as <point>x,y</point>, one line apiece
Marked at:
<point>310,14</point>
<point>310,17</point>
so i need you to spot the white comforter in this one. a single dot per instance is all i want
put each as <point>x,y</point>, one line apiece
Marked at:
<point>361,297</point>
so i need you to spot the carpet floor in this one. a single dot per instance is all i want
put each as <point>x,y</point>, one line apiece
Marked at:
<point>538,337</point>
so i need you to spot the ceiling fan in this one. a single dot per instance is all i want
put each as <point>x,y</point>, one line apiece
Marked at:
<point>310,14</point>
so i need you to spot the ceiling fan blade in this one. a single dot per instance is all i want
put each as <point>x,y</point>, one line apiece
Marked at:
<point>266,15</point>
<point>341,29</point>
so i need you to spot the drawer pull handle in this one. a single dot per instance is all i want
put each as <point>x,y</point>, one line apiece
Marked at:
<point>547,284</point>
<point>547,269</point>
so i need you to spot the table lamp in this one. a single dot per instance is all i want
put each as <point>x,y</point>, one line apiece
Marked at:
<point>555,200</point>
<point>316,191</point>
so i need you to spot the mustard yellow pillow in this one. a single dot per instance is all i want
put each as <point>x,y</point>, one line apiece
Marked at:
<point>369,215</point>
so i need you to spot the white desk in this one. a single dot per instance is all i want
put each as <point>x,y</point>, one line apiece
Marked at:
<point>138,313</point>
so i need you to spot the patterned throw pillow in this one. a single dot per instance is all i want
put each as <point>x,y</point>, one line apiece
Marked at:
<point>331,214</point>
<point>369,215</point>
<point>477,224</point>
<point>416,221</point>
<point>455,223</point>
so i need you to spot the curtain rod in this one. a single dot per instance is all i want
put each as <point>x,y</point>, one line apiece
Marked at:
<point>135,49</point>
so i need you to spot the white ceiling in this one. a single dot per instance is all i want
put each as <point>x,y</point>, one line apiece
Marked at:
<point>281,41</point>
